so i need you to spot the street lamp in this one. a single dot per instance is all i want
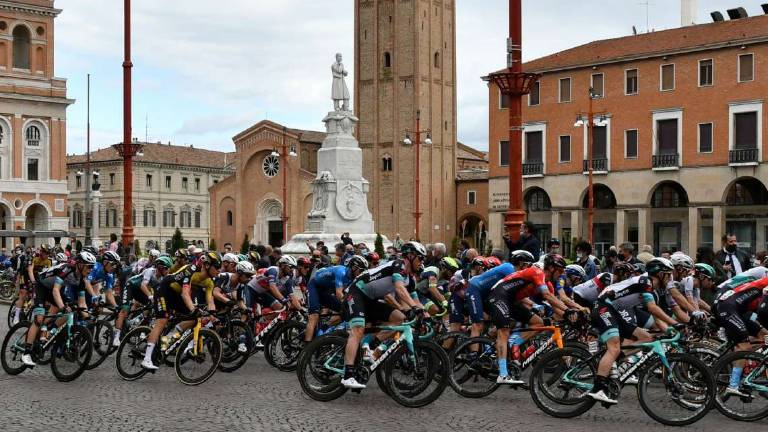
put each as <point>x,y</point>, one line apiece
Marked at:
<point>590,123</point>
<point>284,156</point>
<point>428,141</point>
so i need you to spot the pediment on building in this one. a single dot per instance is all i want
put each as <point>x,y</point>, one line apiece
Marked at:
<point>265,134</point>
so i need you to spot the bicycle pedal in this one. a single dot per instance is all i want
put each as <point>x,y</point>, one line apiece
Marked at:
<point>358,391</point>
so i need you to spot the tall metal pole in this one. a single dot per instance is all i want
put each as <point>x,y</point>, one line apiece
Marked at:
<point>127,141</point>
<point>88,162</point>
<point>284,157</point>
<point>591,191</point>
<point>515,214</point>
<point>417,213</point>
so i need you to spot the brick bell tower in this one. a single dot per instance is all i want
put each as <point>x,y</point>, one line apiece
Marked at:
<point>405,52</point>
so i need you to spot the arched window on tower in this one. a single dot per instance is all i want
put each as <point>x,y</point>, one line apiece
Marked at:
<point>387,60</point>
<point>386,163</point>
<point>21,47</point>
<point>437,60</point>
<point>33,136</point>
<point>229,218</point>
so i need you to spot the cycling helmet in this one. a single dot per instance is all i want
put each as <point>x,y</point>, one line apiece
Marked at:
<point>45,248</point>
<point>246,268</point>
<point>638,267</point>
<point>539,265</point>
<point>449,263</point>
<point>705,270</point>
<point>658,265</point>
<point>373,257</point>
<point>303,262</point>
<point>478,261</point>
<point>242,257</point>
<point>110,256</point>
<point>61,257</point>
<point>492,262</point>
<point>576,271</point>
<point>554,260</point>
<point>254,256</point>
<point>230,257</point>
<point>414,247</point>
<point>90,249</point>
<point>357,262</point>
<point>289,261</point>
<point>623,267</point>
<point>154,253</point>
<point>86,258</point>
<point>522,256</point>
<point>164,262</point>
<point>682,260</point>
<point>182,253</point>
<point>211,258</point>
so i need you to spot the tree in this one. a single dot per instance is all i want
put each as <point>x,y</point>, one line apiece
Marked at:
<point>212,245</point>
<point>136,248</point>
<point>177,241</point>
<point>379,245</point>
<point>245,247</point>
<point>78,245</point>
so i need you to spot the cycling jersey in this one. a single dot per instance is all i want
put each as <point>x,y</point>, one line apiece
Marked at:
<point>98,275</point>
<point>260,284</point>
<point>750,275</point>
<point>38,264</point>
<point>378,282</point>
<point>629,293</point>
<point>746,298</point>
<point>741,310</point>
<point>484,282</point>
<point>321,291</point>
<point>586,294</point>
<point>66,278</point>
<point>505,297</point>
<point>171,286</point>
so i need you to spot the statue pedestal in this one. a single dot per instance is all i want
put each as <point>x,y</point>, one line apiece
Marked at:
<point>95,200</point>
<point>339,190</point>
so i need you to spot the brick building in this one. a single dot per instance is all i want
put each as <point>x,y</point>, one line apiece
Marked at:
<point>33,104</point>
<point>405,54</point>
<point>678,145</point>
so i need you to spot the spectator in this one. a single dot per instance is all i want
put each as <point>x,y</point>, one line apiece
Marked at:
<point>113,244</point>
<point>627,253</point>
<point>397,242</point>
<point>463,247</point>
<point>275,256</point>
<point>349,252</point>
<point>346,239</point>
<point>646,254</point>
<point>666,254</point>
<point>733,260</point>
<point>583,252</point>
<point>609,260</point>
<point>391,253</point>
<point>227,248</point>
<point>362,249</point>
<point>439,252</point>
<point>338,253</point>
<point>528,240</point>
<point>553,246</point>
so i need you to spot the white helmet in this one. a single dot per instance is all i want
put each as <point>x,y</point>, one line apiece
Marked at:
<point>86,258</point>
<point>61,257</point>
<point>244,267</point>
<point>681,259</point>
<point>154,253</point>
<point>289,261</point>
<point>230,257</point>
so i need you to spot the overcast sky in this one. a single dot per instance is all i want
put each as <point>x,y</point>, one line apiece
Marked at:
<point>205,70</point>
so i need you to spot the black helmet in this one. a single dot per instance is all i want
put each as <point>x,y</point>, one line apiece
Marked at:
<point>254,256</point>
<point>623,267</point>
<point>555,260</point>
<point>357,263</point>
<point>110,256</point>
<point>90,249</point>
<point>45,248</point>
<point>658,265</point>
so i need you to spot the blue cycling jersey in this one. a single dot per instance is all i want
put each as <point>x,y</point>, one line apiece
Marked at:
<point>484,282</point>
<point>330,278</point>
<point>98,275</point>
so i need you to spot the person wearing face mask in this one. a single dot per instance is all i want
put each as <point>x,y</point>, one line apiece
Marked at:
<point>733,260</point>
<point>627,253</point>
<point>528,241</point>
<point>583,250</point>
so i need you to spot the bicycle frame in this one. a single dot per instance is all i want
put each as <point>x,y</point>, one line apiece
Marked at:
<point>754,373</point>
<point>556,338</point>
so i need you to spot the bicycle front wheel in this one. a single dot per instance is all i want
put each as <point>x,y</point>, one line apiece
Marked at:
<point>321,367</point>
<point>103,332</point>
<point>13,349</point>
<point>236,339</point>
<point>416,379</point>
<point>560,381</point>
<point>474,368</point>
<point>285,346</point>
<point>71,353</point>
<point>754,380</point>
<point>679,395</point>
<point>197,360</point>
<point>130,354</point>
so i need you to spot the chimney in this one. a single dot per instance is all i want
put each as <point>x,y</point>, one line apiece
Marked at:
<point>688,12</point>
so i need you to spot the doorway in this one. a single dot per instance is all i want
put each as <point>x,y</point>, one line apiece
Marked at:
<point>275,233</point>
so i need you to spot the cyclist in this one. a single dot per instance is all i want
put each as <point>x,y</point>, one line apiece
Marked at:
<point>586,294</point>
<point>704,279</point>
<point>102,276</point>
<point>182,259</point>
<point>380,295</point>
<point>271,287</point>
<point>522,259</point>
<point>750,275</point>
<point>175,295</point>
<point>20,263</point>
<point>326,290</point>
<point>229,262</point>
<point>616,317</point>
<point>478,291</point>
<point>138,291</point>
<point>573,276</point>
<point>48,290</point>
<point>429,290</point>
<point>507,302</point>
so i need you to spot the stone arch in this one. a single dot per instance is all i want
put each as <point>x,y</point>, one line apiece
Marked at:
<point>536,199</point>
<point>22,36</point>
<point>6,149</point>
<point>473,228</point>
<point>745,191</point>
<point>255,162</point>
<point>40,150</point>
<point>604,197</point>
<point>268,212</point>
<point>668,194</point>
<point>36,218</point>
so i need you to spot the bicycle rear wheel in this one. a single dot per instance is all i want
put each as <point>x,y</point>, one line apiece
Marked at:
<point>321,367</point>
<point>679,395</point>
<point>417,379</point>
<point>560,381</point>
<point>103,332</point>
<point>194,368</point>
<point>474,368</point>
<point>13,349</point>
<point>71,353</point>
<point>754,381</point>
<point>236,340</point>
<point>130,354</point>
<point>286,344</point>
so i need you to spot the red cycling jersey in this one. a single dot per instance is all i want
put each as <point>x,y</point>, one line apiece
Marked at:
<point>526,283</point>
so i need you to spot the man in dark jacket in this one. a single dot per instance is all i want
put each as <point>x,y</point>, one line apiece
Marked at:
<point>733,260</point>
<point>528,241</point>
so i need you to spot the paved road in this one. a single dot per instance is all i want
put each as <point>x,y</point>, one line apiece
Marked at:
<point>259,398</point>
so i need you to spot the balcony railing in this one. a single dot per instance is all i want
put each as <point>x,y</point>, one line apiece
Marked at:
<point>742,156</point>
<point>533,168</point>
<point>600,165</point>
<point>666,161</point>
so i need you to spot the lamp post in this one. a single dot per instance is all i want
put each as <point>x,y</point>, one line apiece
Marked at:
<point>284,161</point>
<point>88,161</point>
<point>590,125</point>
<point>515,83</point>
<point>428,141</point>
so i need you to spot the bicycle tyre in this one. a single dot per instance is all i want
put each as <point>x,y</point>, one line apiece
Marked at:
<point>312,364</point>
<point>286,345</point>
<point>485,365</point>
<point>231,358</point>
<point>722,374</point>
<point>74,345</point>
<point>543,398</point>
<point>133,345</point>
<point>103,332</point>
<point>453,339</point>
<point>703,377</point>
<point>435,366</point>
<point>211,342</point>
<point>10,349</point>
<point>7,290</point>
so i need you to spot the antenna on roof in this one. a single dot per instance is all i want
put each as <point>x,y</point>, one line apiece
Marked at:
<point>647,5</point>
<point>146,128</point>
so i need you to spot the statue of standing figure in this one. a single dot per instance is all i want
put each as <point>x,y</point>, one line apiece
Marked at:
<point>339,90</point>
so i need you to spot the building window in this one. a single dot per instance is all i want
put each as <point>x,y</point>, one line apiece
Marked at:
<point>746,67</point>
<point>197,185</point>
<point>229,218</point>
<point>565,90</point>
<point>386,163</point>
<point>169,218</point>
<point>184,183</point>
<point>669,196</point>
<point>630,82</point>
<point>387,60</point>
<point>503,153</point>
<point>198,217</point>
<point>745,133</point>
<point>533,147</point>
<point>437,60</point>
<point>33,136</point>
<point>667,77</point>
<point>706,73</point>
<point>471,197</point>
<point>565,148</point>
<point>504,100</point>
<point>538,200</point>
<point>78,182</point>
<point>111,179</point>
<point>149,181</point>
<point>21,47</point>
<point>534,97</point>
<point>705,137</point>
<point>111,219</point>
<point>599,142</point>
<point>149,217</point>
<point>185,218</point>
<point>666,136</point>
<point>630,144</point>
<point>598,85</point>
<point>32,169</point>
<point>168,182</point>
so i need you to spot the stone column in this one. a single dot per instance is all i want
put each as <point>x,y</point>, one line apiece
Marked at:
<point>644,227</point>
<point>621,226</point>
<point>576,224</point>
<point>555,225</point>
<point>718,225</point>
<point>95,198</point>
<point>693,230</point>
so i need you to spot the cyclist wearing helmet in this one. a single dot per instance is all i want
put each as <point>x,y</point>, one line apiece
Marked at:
<point>175,295</point>
<point>573,276</point>
<point>508,300</point>
<point>491,262</point>
<point>102,277</point>
<point>303,272</point>
<point>49,291</point>
<point>273,287</point>
<point>617,316</point>
<point>380,295</point>
<point>703,280</point>
<point>586,293</point>
<point>622,271</point>
<point>182,259</point>
<point>750,275</point>
<point>326,290</point>
<point>19,264</point>
<point>430,289</point>
<point>521,259</point>
<point>255,259</point>
<point>40,262</point>
<point>61,257</point>
<point>227,286</point>
<point>229,262</point>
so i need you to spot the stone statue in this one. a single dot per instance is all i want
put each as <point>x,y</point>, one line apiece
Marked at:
<point>339,90</point>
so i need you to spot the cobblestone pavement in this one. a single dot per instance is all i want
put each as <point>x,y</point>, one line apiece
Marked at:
<point>259,398</point>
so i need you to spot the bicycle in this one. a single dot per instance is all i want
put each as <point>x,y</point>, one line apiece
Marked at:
<point>26,309</point>
<point>754,384</point>
<point>562,378</point>
<point>71,347</point>
<point>285,346</point>
<point>7,284</point>
<point>236,338</point>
